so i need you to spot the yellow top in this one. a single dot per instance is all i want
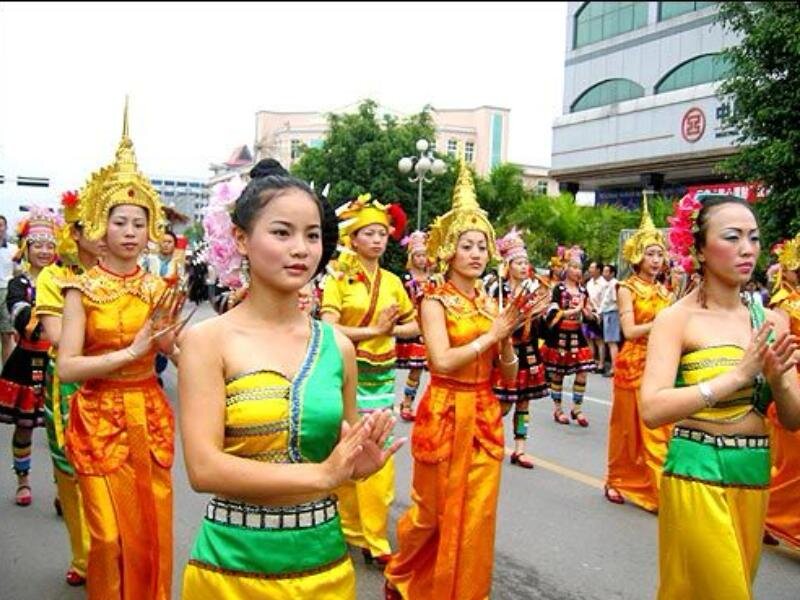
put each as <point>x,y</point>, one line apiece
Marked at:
<point>706,363</point>
<point>358,298</point>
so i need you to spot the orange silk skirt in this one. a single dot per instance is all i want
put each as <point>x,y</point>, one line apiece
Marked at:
<point>635,452</point>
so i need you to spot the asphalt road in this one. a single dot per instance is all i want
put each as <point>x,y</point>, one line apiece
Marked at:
<point>557,537</point>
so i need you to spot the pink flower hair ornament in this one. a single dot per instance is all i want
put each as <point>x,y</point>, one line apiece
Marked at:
<point>221,252</point>
<point>683,227</point>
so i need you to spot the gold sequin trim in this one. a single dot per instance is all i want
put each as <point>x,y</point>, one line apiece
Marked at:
<point>267,392</point>
<point>257,430</point>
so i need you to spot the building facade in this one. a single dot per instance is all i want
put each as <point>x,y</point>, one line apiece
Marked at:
<point>187,195</point>
<point>483,131</point>
<point>18,192</point>
<point>640,107</point>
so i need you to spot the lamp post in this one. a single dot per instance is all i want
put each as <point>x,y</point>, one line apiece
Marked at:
<point>422,165</point>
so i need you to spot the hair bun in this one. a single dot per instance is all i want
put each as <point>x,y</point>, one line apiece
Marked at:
<point>267,167</point>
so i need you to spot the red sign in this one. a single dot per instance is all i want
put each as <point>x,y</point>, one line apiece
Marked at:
<point>749,191</point>
<point>693,125</point>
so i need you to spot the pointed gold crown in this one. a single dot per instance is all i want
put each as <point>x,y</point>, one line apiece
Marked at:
<point>117,184</point>
<point>465,215</point>
<point>647,235</point>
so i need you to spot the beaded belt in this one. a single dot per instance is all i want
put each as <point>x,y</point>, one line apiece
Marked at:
<point>721,441</point>
<point>254,516</point>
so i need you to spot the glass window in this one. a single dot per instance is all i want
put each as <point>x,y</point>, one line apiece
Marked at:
<point>194,184</point>
<point>608,92</point>
<point>433,146</point>
<point>668,10</point>
<point>469,151</point>
<point>597,21</point>
<point>156,181</point>
<point>296,149</point>
<point>496,140</point>
<point>452,147</point>
<point>701,69</point>
<point>169,183</point>
<point>541,187</point>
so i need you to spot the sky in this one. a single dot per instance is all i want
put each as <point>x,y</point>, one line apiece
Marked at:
<point>197,73</point>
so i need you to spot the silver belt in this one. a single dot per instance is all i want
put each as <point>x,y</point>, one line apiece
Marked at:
<point>254,516</point>
<point>721,441</point>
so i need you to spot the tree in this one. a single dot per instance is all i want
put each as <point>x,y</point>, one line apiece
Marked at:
<point>360,155</point>
<point>764,83</point>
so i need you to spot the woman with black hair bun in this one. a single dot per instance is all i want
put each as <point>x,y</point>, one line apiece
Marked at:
<point>268,415</point>
<point>714,365</point>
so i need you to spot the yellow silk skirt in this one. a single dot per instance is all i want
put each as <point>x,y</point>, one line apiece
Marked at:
<point>69,495</point>
<point>364,509</point>
<point>337,583</point>
<point>711,518</point>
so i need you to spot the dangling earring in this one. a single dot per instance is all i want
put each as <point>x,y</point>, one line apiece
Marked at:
<point>244,272</point>
<point>701,292</point>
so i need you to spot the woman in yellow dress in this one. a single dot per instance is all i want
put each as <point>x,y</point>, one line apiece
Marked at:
<point>635,452</point>
<point>783,516</point>
<point>120,433</point>
<point>262,406</point>
<point>76,255</point>
<point>370,306</point>
<point>713,366</point>
<point>446,539</point>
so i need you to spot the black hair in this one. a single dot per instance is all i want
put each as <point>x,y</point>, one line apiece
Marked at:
<point>267,167</point>
<point>171,234</point>
<point>612,268</point>
<point>4,219</point>
<point>261,190</point>
<point>712,201</point>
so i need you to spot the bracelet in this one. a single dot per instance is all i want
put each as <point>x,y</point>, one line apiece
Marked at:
<point>707,394</point>
<point>513,361</point>
<point>476,346</point>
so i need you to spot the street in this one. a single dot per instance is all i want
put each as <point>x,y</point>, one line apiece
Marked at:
<point>557,537</point>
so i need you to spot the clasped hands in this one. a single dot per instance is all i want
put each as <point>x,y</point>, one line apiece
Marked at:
<point>163,324</point>
<point>361,449</point>
<point>771,359</point>
<point>524,304</point>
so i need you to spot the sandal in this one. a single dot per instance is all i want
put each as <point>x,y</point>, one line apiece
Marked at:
<point>579,417</point>
<point>560,417</point>
<point>407,414</point>
<point>390,593</point>
<point>74,578</point>
<point>613,496</point>
<point>24,496</point>
<point>518,458</point>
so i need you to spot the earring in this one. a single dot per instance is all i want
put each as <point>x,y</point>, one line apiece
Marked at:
<point>244,272</point>
<point>701,293</point>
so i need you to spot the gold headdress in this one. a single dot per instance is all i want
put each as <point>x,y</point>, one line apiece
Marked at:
<point>116,184</point>
<point>789,255</point>
<point>647,235</point>
<point>466,215</point>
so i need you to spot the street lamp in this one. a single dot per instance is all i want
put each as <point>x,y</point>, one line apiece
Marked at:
<point>422,165</point>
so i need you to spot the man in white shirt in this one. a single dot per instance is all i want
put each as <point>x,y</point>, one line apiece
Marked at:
<point>610,312</point>
<point>7,252</point>
<point>595,286</point>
